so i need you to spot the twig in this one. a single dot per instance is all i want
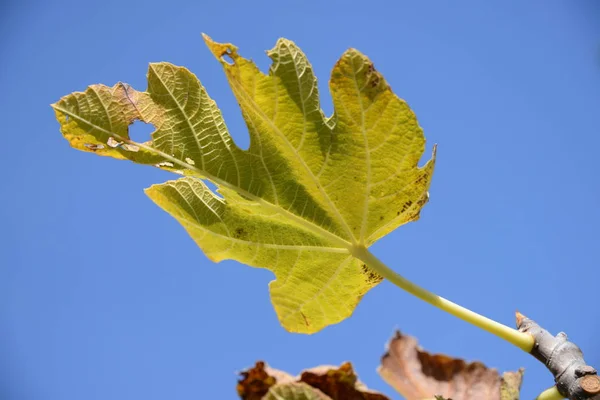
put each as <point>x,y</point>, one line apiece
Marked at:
<point>574,379</point>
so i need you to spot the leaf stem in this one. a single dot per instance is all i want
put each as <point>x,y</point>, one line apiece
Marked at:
<point>522,340</point>
<point>550,394</point>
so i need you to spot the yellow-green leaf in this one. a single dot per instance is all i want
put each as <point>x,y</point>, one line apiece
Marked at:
<point>295,391</point>
<point>309,194</point>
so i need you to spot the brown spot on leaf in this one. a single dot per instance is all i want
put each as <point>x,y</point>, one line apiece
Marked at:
<point>371,276</point>
<point>423,200</point>
<point>305,319</point>
<point>240,233</point>
<point>406,205</point>
<point>374,81</point>
<point>415,217</point>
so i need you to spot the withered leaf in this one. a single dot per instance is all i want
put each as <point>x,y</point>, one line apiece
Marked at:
<point>255,382</point>
<point>330,382</point>
<point>510,386</point>
<point>339,383</point>
<point>419,375</point>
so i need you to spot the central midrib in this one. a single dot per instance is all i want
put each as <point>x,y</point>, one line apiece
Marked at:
<point>326,197</point>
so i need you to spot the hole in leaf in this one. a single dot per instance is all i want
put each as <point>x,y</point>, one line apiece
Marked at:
<point>67,118</point>
<point>226,57</point>
<point>140,131</point>
<point>210,185</point>
<point>213,188</point>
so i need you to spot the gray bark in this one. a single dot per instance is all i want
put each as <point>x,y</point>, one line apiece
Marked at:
<point>574,379</point>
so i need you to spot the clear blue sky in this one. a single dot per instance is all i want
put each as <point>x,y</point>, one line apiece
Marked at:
<point>104,296</point>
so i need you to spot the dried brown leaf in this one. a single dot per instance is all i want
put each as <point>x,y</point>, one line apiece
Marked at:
<point>257,381</point>
<point>329,382</point>
<point>511,385</point>
<point>419,375</point>
<point>339,383</point>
